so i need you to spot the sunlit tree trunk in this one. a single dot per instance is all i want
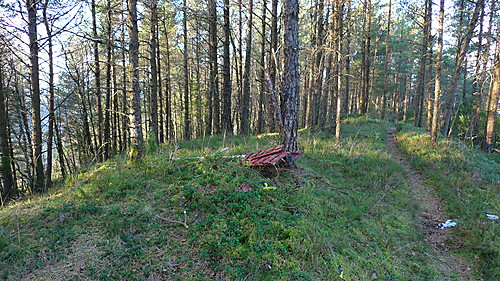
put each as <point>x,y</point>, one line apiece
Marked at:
<point>107,112</point>
<point>422,74</point>
<point>136,124</point>
<point>493,100</point>
<point>187,120</point>
<point>290,82</point>
<point>245,105</point>
<point>386,60</point>
<point>437,83</point>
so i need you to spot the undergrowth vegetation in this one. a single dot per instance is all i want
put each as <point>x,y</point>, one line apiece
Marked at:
<point>175,217</point>
<point>468,181</point>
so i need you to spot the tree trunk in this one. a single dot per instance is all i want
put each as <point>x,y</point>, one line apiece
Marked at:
<point>260,113</point>
<point>483,61</point>
<point>493,100</point>
<point>213,98</point>
<point>245,105</point>
<point>38,181</point>
<point>463,47</point>
<point>187,120</point>
<point>273,62</point>
<point>97,71</point>
<point>437,84</point>
<point>154,71</point>
<point>124,98</point>
<point>227,124</point>
<point>136,120</point>
<point>386,60</point>
<point>339,65</point>
<point>108,109</point>
<point>290,82</point>
<point>50,133</point>
<point>423,64</point>
<point>7,186</point>
<point>365,58</point>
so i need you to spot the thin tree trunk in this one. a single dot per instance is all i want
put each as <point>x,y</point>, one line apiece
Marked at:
<point>50,133</point>
<point>136,122</point>
<point>154,71</point>
<point>339,66</point>
<point>260,113</point>
<point>245,108</point>
<point>125,110</point>
<point>107,113</point>
<point>483,60</point>
<point>60,150</point>
<point>463,47</point>
<point>7,186</point>
<point>423,64</point>
<point>273,69</point>
<point>437,84</point>
<point>38,182</point>
<point>386,61</point>
<point>493,100</point>
<point>365,60</point>
<point>97,72</point>
<point>187,120</point>
<point>227,123</point>
<point>213,76</point>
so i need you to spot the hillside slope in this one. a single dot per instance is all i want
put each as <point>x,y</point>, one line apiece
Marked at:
<point>346,208</point>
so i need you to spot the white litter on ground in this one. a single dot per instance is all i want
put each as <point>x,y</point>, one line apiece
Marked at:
<point>492,217</point>
<point>448,223</point>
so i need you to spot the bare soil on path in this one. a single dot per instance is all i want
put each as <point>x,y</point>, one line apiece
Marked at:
<point>430,214</point>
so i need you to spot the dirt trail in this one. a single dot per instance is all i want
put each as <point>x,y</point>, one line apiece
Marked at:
<point>431,213</point>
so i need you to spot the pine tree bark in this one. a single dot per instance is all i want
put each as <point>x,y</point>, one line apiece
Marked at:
<point>423,64</point>
<point>7,187</point>
<point>260,113</point>
<point>136,120</point>
<point>50,133</point>
<point>154,71</point>
<point>273,49</point>
<point>290,82</point>
<point>245,105</point>
<point>483,63</point>
<point>463,47</point>
<point>213,99</point>
<point>365,58</point>
<point>97,71</point>
<point>38,181</point>
<point>187,120</point>
<point>108,109</point>
<point>227,124</point>
<point>386,61</point>
<point>493,100</point>
<point>437,83</point>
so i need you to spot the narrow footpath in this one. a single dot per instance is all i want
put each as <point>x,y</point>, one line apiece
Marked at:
<point>431,213</point>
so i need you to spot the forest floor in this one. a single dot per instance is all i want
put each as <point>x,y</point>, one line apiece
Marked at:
<point>366,206</point>
<point>431,214</point>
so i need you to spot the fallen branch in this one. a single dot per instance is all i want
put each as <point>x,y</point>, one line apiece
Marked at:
<point>174,221</point>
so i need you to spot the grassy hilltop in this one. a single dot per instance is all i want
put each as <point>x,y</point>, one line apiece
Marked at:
<point>347,205</point>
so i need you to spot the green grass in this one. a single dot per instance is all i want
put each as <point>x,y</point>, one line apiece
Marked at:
<point>347,205</point>
<point>468,181</point>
